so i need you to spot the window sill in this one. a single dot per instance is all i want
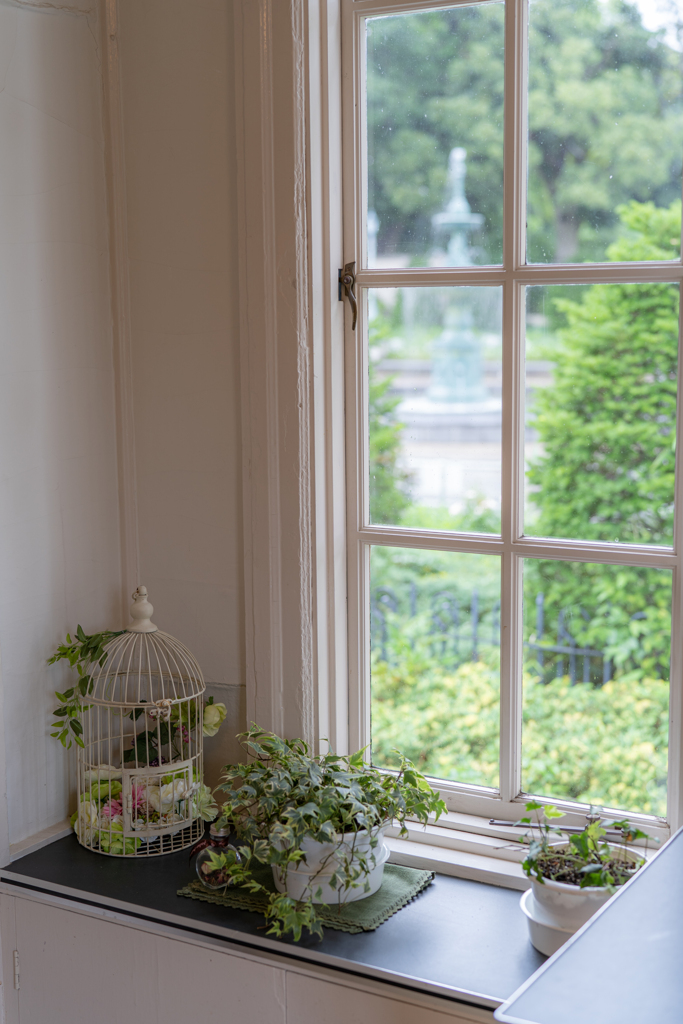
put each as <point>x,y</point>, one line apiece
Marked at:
<point>467,846</point>
<point>458,863</point>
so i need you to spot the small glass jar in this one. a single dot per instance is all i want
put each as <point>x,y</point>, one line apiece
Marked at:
<point>209,875</point>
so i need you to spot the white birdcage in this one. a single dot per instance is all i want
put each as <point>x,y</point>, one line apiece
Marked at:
<point>140,770</point>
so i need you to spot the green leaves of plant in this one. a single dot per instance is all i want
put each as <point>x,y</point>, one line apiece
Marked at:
<point>586,856</point>
<point>285,796</point>
<point>83,651</point>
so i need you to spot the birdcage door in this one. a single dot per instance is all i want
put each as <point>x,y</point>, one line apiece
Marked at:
<point>158,801</point>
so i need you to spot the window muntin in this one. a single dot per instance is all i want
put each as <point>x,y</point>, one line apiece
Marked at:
<point>512,546</point>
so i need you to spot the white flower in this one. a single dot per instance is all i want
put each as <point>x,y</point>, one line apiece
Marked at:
<point>161,798</point>
<point>154,798</point>
<point>214,716</point>
<point>86,820</point>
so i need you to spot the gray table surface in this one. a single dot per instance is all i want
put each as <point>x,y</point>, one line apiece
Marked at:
<point>625,966</point>
<point>461,939</point>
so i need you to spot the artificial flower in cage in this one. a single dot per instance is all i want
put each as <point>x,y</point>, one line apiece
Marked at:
<point>214,716</point>
<point>204,805</point>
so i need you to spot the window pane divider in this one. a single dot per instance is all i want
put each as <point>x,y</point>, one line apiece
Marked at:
<point>530,274</point>
<point>526,547</point>
<point>366,8</point>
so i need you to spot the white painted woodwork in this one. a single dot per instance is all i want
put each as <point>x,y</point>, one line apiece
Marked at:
<point>75,969</point>
<point>84,964</point>
<point>174,66</point>
<point>313,1001</point>
<point>287,57</point>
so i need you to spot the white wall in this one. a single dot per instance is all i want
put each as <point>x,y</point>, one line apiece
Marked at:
<point>177,75</point>
<point>59,546</point>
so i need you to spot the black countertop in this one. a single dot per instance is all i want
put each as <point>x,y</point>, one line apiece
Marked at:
<point>624,966</point>
<point>460,939</point>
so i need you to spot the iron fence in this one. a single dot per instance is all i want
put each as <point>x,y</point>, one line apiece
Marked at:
<point>457,634</point>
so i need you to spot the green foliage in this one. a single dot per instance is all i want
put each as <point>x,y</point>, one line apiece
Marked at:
<point>602,745</point>
<point>286,795</point>
<point>587,860</point>
<point>605,122</point>
<point>475,517</point>
<point>434,82</point>
<point>607,426</point>
<point>389,485</point>
<point>432,572</point>
<point>83,653</point>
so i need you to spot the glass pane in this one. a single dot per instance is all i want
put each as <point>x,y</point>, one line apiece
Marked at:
<point>596,690</point>
<point>435,137</point>
<point>435,407</point>
<point>601,389</point>
<point>605,128</point>
<point>435,630</point>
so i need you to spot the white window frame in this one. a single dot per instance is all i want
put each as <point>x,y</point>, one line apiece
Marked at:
<point>512,546</point>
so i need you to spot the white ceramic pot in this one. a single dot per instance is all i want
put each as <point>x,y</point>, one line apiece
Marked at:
<point>569,906</point>
<point>545,937</point>
<point>315,871</point>
<point>555,910</point>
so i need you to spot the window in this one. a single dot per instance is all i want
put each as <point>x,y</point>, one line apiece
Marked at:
<point>512,187</point>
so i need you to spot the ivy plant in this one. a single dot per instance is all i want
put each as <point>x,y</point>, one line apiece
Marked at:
<point>84,653</point>
<point>586,859</point>
<point>286,795</point>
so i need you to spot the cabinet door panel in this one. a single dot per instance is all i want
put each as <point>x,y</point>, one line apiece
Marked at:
<point>197,984</point>
<point>76,968</point>
<point>310,1001</point>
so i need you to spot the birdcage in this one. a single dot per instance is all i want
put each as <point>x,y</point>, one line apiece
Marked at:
<point>140,770</point>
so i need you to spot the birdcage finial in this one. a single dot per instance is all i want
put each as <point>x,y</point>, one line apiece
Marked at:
<point>141,613</point>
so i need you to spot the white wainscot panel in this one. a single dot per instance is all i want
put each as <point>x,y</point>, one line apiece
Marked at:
<point>312,1001</point>
<point>76,969</point>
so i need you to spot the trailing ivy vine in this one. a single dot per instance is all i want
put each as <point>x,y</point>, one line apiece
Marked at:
<point>84,653</point>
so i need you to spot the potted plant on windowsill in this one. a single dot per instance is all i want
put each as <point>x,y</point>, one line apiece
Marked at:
<point>317,820</point>
<point>571,879</point>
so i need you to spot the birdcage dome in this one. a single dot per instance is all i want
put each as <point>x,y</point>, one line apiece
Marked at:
<point>145,665</point>
<point>141,759</point>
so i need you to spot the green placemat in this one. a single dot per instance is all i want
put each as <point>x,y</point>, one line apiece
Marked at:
<point>399,886</point>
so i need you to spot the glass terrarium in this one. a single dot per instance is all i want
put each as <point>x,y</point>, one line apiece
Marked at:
<point>210,869</point>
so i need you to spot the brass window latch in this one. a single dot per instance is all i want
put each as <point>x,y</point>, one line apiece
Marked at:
<point>347,281</point>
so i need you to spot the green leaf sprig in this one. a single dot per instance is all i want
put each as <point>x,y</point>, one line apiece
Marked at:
<point>84,652</point>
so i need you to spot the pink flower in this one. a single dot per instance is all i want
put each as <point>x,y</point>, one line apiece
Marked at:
<point>111,808</point>
<point>139,798</point>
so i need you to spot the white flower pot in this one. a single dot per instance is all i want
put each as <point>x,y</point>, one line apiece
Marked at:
<point>561,908</point>
<point>315,871</point>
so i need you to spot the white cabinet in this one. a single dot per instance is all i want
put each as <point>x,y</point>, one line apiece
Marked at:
<point>79,966</point>
<point>314,1001</point>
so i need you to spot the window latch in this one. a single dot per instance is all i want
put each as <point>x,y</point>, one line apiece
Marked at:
<point>347,281</point>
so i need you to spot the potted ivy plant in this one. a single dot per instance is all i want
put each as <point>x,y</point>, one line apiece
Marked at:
<point>318,821</point>
<point>572,878</point>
